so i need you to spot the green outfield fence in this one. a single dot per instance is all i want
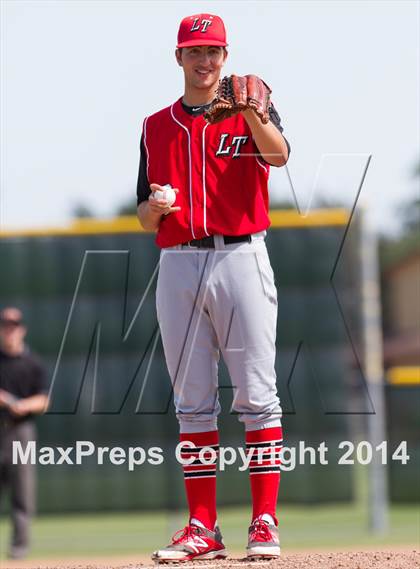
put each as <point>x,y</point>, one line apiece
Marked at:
<point>319,380</point>
<point>403,414</point>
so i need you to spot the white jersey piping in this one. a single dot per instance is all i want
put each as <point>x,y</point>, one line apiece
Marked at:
<point>262,165</point>
<point>145,146</point>
<point>204,181</point>
<point>189,168</point>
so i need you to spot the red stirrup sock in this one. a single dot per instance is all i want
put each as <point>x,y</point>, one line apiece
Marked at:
<point>200,479</point>
<point>264,469</point>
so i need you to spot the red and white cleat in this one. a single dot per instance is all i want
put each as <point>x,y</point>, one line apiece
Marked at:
<point>263,540</point>
<point>192,542</point>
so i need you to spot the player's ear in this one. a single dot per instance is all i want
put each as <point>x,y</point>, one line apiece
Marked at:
<point>178,56</point>
<point>225,54</point>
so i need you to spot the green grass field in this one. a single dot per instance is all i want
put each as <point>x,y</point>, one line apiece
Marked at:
<point>306,527</point>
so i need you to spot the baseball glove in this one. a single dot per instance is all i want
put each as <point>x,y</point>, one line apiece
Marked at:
<point>235,94</point>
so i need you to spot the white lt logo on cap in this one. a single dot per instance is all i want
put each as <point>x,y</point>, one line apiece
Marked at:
<point>204,24</point>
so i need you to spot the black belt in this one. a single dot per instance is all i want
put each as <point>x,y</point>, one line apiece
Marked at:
<point>208,242</point>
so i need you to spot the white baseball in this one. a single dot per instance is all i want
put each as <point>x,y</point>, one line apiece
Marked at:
<point>170,196</point>
<point>167,194</point>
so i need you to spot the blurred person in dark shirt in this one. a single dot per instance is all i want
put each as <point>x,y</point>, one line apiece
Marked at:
<point>23,395</point>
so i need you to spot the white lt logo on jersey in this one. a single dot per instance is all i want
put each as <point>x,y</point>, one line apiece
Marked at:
<point>204,25</point>
<point>237,141</point>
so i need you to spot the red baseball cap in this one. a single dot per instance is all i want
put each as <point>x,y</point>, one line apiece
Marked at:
<point>201,29</point>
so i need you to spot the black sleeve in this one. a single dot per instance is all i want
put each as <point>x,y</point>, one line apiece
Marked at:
<point>39,377</point>
<point>143,187</point>
<point>275,119</point>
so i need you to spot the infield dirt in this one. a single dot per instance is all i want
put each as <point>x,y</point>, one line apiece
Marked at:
<point>403,559</point>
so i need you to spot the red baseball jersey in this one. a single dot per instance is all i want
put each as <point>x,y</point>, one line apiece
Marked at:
<point>221,177</point>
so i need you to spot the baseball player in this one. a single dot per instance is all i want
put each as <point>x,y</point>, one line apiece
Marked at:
<point>215,292</point>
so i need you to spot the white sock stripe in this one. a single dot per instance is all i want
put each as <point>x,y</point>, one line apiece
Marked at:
<point>263,469</point>
<point>189,450</point>
<point>263,450</point>
<point>270,444</point>
<point>200,474</point>
<point>267,460</point>
<point>199,466</point>
<point>205,462</point>
<point>265,455</point>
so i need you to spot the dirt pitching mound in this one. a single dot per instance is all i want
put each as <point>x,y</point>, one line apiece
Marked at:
<point>333,560</point>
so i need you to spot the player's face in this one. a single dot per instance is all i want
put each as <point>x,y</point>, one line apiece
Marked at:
<point>202,64</point>
<point>11,333</point>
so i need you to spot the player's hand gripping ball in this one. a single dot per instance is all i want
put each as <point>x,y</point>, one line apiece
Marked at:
<point>162,198</point>
<point>167,194</point>
<point>235,94</point>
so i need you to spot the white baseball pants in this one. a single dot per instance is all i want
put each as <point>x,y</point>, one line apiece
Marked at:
<point>212,301</point>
